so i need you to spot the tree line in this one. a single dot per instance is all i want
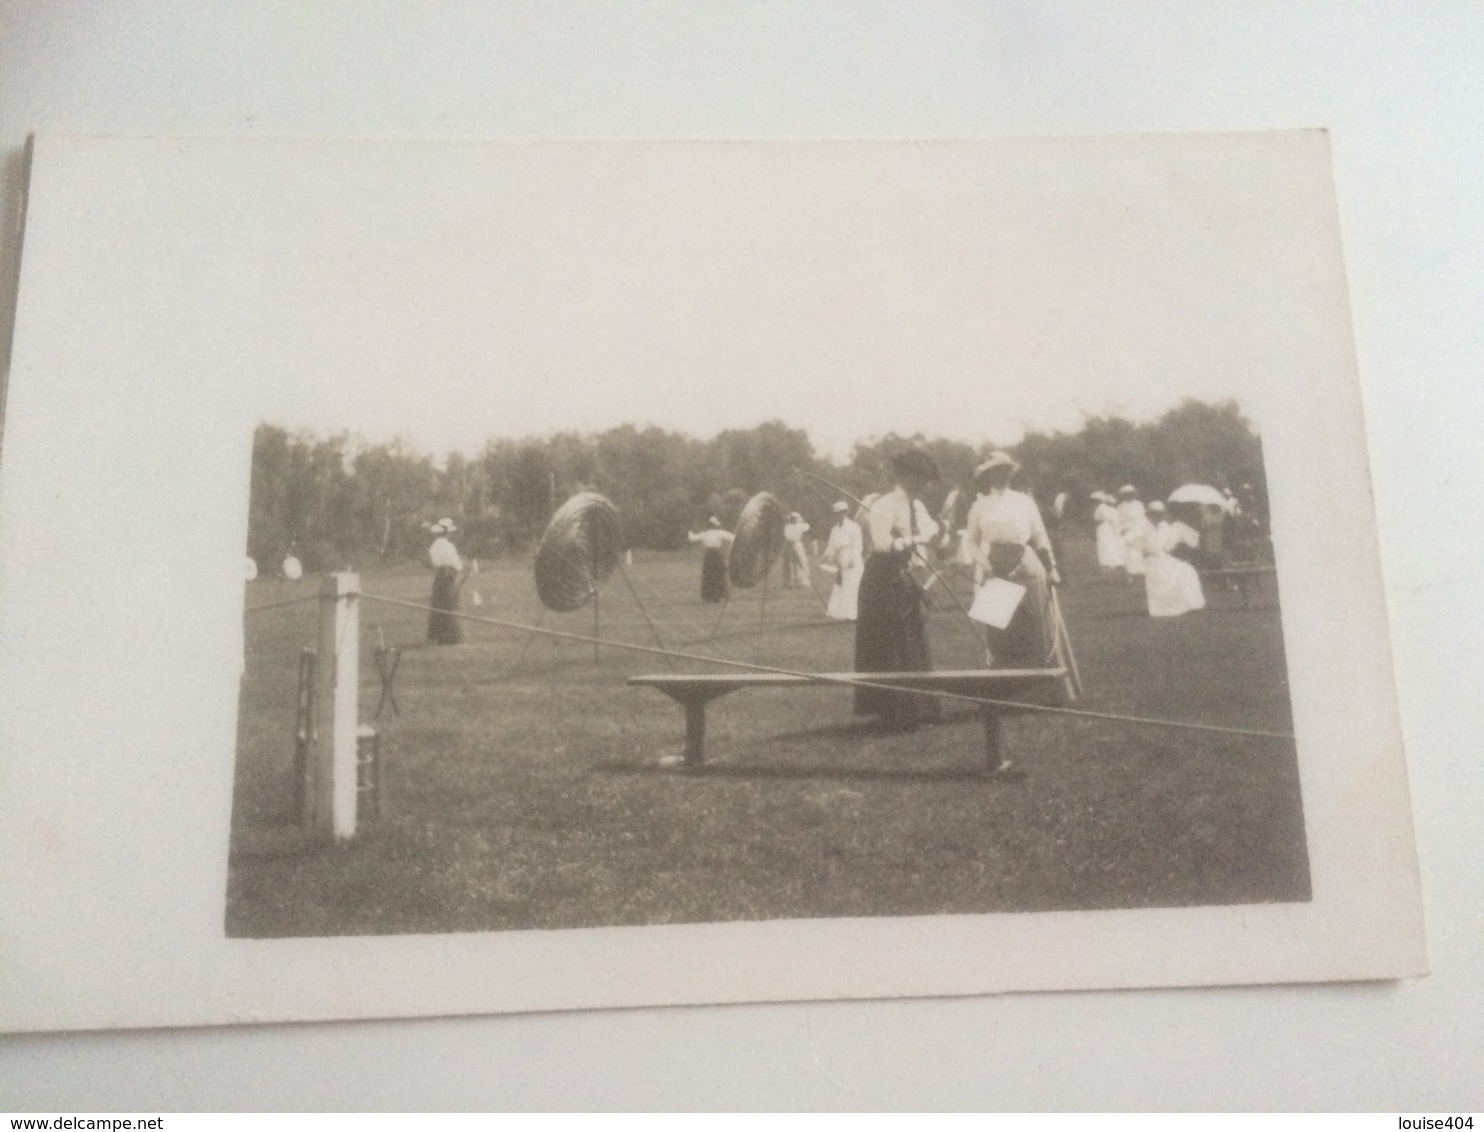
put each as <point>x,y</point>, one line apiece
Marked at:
<point>340,501</point>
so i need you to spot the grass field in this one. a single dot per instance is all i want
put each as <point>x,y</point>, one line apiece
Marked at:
<point>523,791</point>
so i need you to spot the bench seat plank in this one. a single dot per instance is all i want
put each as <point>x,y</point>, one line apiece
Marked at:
<point>693,691</point>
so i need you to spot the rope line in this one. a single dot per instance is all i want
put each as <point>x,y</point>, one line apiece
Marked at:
<point>669,626</point>
<point>850,682</point>
<point>659,640</point>
<point>282,604</point>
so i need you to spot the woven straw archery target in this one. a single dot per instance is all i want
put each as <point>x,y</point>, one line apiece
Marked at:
<point>757,542</point>
<point>578,551</point>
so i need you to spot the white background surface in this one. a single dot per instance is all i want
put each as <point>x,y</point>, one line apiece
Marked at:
<point>1399,87</point>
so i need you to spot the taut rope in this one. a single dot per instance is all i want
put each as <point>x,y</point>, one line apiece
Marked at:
<point>849,682</point>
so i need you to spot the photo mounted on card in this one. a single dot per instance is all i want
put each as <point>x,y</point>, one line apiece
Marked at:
<point>457,578</point>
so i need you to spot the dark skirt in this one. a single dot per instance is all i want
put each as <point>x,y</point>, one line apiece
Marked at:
<point>714,576</point>
<point>444,629</point>
<point>891,636</point>
<point>1031,640</point>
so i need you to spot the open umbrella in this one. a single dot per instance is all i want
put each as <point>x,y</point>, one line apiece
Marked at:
<point>1197,493</point>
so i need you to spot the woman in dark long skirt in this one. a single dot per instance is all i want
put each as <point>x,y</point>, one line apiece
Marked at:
<point>714,561</point>
<point>891,625</point>
<point>448,577</point>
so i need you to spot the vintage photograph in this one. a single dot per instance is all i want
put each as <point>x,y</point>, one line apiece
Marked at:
<point>761,533</point>
<point>539,576</point>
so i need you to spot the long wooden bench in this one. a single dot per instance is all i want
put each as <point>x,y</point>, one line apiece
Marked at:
<point>694,692</point>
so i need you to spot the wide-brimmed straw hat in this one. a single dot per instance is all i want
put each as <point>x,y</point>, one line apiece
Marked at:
<point>995,460</point>
<point>1128,489</point>
<point>713,521</point>
<point>839,507</point>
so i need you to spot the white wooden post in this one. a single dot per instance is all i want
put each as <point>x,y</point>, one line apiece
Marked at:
<point>337,677</point>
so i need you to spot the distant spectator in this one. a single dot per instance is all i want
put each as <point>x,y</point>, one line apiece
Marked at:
<point>715,542</point>
<point>444,628</point>
<point>795,558</point>
<point>1112,554</point>
<point>1172,587</point>
<point>1131,522</point>
<point>843,556</point>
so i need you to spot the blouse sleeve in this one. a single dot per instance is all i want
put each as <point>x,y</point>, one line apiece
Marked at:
<point>880,524</point>
<point>1038,539</point>
<point>927,527</point>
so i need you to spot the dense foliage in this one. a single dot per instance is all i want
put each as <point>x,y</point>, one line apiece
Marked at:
<point>342,501</point>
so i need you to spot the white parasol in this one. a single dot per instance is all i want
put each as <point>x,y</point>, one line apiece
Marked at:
<point>1198,493</point>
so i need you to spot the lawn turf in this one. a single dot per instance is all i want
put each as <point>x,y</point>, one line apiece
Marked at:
<point>523,790</point>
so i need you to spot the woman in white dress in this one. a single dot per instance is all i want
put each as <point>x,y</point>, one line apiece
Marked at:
<point>1131,523</point>
<point>796,558</point>
<point>1171,585</point>
<point>843,556</point>
<point>1111,552</point>
<point>1010,542</point>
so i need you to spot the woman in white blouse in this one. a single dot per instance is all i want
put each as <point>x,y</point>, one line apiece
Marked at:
<point>1131,523</point>
<point>714,541</point>
<point>1010,542</point>
<point>448,575</point>
<point>891,626</point>
<point>844,557</point>
<point>795,556</point>
<point>1111,553</point>
<point>1172,586</point>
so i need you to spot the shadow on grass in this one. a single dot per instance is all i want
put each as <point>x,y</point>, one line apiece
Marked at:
<point>826,773</point>
<point>864,727</point>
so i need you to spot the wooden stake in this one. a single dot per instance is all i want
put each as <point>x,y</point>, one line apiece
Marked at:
<point>330,812</point>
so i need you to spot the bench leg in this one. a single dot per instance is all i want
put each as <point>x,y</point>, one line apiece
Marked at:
<point>994,757</point>
<point>695,732</point>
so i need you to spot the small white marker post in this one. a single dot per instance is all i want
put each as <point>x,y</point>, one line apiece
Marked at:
<point>331,797</point>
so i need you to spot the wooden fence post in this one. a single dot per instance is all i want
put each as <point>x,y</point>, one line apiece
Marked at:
<point>331,812</point>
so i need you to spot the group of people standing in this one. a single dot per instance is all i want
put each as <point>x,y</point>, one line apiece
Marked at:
<point>841,558</point>
<point>1152,544</point>
<point>1004,538</point>
<point>871,553</point>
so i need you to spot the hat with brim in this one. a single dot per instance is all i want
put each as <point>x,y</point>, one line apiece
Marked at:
<point>1157,506</point>
<point>839,507</point>
<point>994,462</point>
<point>444,527</point>
<point>1128,489</point>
